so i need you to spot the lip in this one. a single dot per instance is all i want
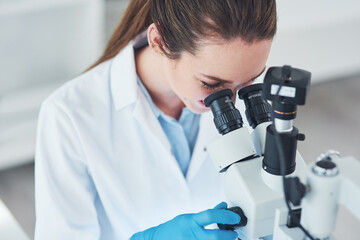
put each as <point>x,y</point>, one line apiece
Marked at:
<point>202,103</point>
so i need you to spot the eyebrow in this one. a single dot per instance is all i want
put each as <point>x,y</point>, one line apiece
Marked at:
<point>228,81</point>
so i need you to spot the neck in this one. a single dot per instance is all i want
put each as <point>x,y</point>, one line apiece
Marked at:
<point>149,69</point>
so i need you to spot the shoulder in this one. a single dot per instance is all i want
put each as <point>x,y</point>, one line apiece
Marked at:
<point>88,87</point>
<point>109,85</point>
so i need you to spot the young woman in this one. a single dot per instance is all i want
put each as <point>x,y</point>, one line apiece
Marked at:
<point>120,149</point>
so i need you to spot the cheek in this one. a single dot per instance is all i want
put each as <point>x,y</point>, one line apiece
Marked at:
<point>180,77</point>
<point>192,94</point>
<point>202,94</point>
<point>180,84</point>
<point>183,83</point>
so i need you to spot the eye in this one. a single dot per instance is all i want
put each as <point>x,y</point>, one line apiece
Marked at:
<point>210,86</point>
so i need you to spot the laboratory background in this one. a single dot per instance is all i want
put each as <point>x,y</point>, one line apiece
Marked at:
<point>45,43</point>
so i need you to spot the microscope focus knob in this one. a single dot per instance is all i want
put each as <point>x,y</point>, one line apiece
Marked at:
<point>300,137</point>
<point>242,222</point>
<point>326,168</point>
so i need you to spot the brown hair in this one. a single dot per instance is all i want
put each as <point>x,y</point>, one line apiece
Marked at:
<point>183,23</point>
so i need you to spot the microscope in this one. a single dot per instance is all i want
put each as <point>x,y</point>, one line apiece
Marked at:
<point>267,182</point>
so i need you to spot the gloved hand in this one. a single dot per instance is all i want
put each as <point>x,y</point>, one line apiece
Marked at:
<point>191,226</point>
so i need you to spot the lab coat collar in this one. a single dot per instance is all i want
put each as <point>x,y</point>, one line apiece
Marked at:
<point>146,117</point>
<point>125,89</point>
<point>123,78</point>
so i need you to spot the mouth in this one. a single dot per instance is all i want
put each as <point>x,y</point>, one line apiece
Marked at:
<point>202,103</point>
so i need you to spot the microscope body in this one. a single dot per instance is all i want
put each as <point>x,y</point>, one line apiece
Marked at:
<point>247,185</point>
<point>253,178</point>
<point>265,176</point>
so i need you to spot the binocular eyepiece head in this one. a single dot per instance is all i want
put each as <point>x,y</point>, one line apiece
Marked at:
<point>293,84</point>
<point>227,118</point>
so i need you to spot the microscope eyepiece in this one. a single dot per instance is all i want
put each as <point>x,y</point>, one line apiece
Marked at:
<point>258,110</point>
<point>226,117</point>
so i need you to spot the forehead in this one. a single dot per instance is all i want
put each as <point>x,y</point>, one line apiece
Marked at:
<point>233,60</point>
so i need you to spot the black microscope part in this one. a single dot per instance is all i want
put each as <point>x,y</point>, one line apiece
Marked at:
<point>295,190</point>
<point>258,110</point>
<point>299,79</point>
<point>271,160</point>
<point>296,81</point>
<point>216,95</point>
<point>284,111</point>
<point>293,218</point>
<point>226,117</point>
<point>242,223</point>
<point>326,164</point>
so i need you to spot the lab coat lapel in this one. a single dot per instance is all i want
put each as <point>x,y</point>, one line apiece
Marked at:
<point>125,91</point>
<point>207,133</point>
<point>144,114</point>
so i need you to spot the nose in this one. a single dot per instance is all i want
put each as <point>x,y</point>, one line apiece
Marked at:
<point>233,98</point>
<point>237,88</point>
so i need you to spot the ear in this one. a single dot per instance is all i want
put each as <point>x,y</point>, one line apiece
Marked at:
<point>154,39</point>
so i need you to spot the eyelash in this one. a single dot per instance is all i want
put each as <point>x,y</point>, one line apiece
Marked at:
<point>217,85</point>
<point>210,86</point>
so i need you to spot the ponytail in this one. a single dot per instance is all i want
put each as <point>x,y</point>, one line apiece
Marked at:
<point>136,19</point>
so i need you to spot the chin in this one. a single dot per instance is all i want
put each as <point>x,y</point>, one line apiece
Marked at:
<point>198,110</point>
<point>195,106</point>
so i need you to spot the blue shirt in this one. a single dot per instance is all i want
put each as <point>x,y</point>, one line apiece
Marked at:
<point>181,133</point>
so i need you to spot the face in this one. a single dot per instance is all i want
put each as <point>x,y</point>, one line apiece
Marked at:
<point>233,64</point>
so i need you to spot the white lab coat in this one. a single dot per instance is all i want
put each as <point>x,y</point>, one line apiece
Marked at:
<point>104,168</point>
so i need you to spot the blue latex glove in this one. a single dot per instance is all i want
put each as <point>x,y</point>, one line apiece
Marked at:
<point>191,226</point>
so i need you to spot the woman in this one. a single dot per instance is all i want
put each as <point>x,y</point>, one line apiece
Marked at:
<point>120,149</point>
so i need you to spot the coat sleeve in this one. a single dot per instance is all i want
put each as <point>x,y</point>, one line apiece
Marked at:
<point>64,191</point>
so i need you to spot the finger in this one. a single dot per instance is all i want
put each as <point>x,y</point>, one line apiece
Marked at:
<point>220,234</point>
<point>216,216</point>
<point>221,205</point>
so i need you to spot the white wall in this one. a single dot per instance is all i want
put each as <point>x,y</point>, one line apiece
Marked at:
<point>43,43</point>
<point>321,36</point>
